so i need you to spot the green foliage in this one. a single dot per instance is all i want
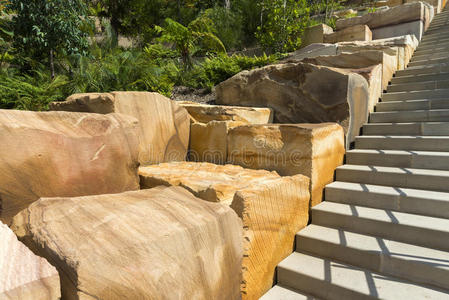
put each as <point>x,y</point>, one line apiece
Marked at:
<point>219,68</point>
<point>30,92</point>
<point>228,26</point>
<point>47,28</point>
<point>6,36</point>
<point>283,23</point>
<point>197,36</point>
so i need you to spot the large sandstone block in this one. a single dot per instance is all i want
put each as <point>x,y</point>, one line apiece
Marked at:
<point>311,51</point>
<point>415,28</point>
<point>393,16</point>
<point>375,66</point>
<point>401,47</point>
<point>353,33</point>
<point>272,209</point>
<point>316,34</point>
<point>313,150</point>
<point>359,60</point>
<point>204,113</point>
<point>48,154</point>
<point>24,275</point>
<point>302,93</point>
<point>161,243</point>
<point>164,126</point>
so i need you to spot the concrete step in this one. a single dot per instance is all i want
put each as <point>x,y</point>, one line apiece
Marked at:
<point>412,105</point>
<point>416,95</point>
<point>428,62</point>
<point>420,78</point>
<point>410,143</point>
<point>431,56</point>
<point>399,158</point>
<point>424,70</point>
<point>425,179</point>
<point>418,86</point>
<point>426,203</point>
<point>435,115</point>
<point>333,280</point>
<point>285,293</point>
<point>415,263</point>
<point>438,49</point>
<point>398,226</point>
<point>442,44</point>
<point>413,128</point>
<point>435,36</point>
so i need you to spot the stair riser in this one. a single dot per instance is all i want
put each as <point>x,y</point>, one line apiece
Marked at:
<point>401,203</point>
<point>429,51</point>
<point>431,70</point>
<point>389,230</point>
<point>410,116</point>
<point>438,47</point>
<point>407,129</point>
<point>404,180</point>
<point>428,61</point>
<point>411,105</point>
<point>315,287</point>
<point>419,86</point>
<point>417,95</point>
<point>390,265</point>
<point>403,144</point>
<point>420,78</point>
<point>399,161</point>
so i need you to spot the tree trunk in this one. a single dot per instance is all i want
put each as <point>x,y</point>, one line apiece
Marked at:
<point>52,64</point>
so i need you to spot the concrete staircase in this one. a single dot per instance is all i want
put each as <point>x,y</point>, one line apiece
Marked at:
<point>383,231</point>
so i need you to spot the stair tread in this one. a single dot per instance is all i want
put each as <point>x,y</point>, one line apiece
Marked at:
<point>385,215</point>
<point>395,170</point>
<point>376,245</point>
<point>399,152</point>
<point>358,280</point>
<point>284,293</point>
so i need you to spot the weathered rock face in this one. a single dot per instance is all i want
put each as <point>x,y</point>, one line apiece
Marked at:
<point>316,34</point>
<point>311,51</point>
<point>203,113</point>
<point>208,141</point>
<point>24,275</point>
<point>164,125</point>
<point>354,33</point>
<point>313,150</point>
<point>393,16</point>
<point>48,154</point>
<point>151,244</point>
<point>375,66</point>
<point>360,60</point>
<point>302,93</point>
<point>272,209</point>
<point>401,47</point>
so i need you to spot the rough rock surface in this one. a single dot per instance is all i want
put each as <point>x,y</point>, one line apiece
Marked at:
<point>164,125</point>
<point>24,275</point>
<point>316,34</point>
<point>204,113</point>
<point>313,50</point>
<point>302,93</point>
<point>272,209</point>
<point>49,154</point>
<point>313,150</point>
<point>208,141</point>
<point>393,16</point>
<point>354,33</point>
<point>161,243</point>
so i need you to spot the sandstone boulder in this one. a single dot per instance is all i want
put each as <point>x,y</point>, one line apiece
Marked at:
<point>161,243</point>
<point>208,141</point>
<point>353,33</point>
<point>316,34</point>
<point>313,150</point>
<point>24,275</point>
<point>164,125</point>
<point>48,154</point>
<point>393,16</point>
<point>302,93</point>
<point>311,51</point>
<point>272,209</point>
<point>360,60</point>
<point>204,113</point>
